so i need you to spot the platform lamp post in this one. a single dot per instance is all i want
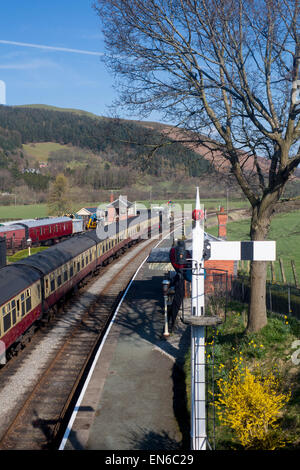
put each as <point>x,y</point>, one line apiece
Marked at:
<point>165,287</point>
<point>29,242</point>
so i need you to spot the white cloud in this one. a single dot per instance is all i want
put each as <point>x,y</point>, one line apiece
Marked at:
<point>33,64</point>
<point>50,48</point>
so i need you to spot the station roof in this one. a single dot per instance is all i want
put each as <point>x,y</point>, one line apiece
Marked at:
<point>87,211</point>
<point>121,201</point>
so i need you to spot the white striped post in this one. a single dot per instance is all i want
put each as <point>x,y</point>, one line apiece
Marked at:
<point>198,405</point>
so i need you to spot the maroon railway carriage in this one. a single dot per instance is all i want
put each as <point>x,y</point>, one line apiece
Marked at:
<point>20,302</point>
<point>42,231</point>
<point>31,287</point>
<point>14,235</point>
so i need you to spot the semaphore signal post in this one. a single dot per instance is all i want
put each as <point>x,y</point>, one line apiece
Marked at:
<point>221,250</point>
<point>204,247</point>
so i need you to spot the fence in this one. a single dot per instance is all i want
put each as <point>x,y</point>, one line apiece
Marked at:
<point>13,245</point>
<point>282,271</point>
<point>284,299</point>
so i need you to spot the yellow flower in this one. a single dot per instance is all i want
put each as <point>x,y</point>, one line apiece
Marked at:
<point>250,405</point>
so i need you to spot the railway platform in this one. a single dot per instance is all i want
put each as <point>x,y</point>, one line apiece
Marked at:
<point>135,397</point>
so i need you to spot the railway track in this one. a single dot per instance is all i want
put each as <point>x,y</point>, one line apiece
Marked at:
<point>39,421</point>
<point>40,416</point>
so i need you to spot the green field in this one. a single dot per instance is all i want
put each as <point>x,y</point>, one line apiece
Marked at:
<point>40,210</point>
<point>285,230</point>
<point>23,211</point>
<point>32,211</point>
<point>40,151</point>
<point>209,204</point>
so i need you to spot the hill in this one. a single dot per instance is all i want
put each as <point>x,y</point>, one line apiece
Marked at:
<point>97,154</point>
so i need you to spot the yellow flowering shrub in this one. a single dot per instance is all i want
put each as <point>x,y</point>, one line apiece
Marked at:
<point>250,405</point>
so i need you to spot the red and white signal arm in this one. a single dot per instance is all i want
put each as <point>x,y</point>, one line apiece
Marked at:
<point>198,214</point>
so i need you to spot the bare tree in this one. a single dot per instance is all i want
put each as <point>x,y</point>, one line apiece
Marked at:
<point>227,70</point>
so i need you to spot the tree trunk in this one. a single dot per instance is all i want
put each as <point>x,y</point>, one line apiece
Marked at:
<point>257,314</point>
<point>260,225</point>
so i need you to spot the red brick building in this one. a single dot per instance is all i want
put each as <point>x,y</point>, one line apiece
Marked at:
<point>215,273</point>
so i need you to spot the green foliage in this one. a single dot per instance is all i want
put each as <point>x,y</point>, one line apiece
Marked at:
<point>250,404</point>
<point>10,140</point>
<point>126,142</point>
<point>271,350</point>
<point>58,202</point>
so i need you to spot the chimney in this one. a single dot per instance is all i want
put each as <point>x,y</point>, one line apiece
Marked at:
<point>111,197</point>
<point>2,252</point>
<point>222,221</point>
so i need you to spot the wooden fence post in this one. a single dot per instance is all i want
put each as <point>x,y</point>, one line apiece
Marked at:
<point>294,272</point>
<point>273,272</point>
<point>282,271</point>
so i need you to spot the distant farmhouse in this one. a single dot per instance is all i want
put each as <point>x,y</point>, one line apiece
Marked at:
<point>118,209</point>
<point>33,171</point>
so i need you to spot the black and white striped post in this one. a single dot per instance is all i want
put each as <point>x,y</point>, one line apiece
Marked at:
<point>221,251</point>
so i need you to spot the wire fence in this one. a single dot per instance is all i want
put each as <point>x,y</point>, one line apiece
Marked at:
<point>280,298</point>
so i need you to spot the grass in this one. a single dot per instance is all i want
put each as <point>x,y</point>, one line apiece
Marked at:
<point>40,151</point>
<point>25,253</point>
<point>209,204</point>
<point>40,210</point>
<point>271,348</point>
<point>23,211</point>
<point>285,230</point>
<point>32,211</point>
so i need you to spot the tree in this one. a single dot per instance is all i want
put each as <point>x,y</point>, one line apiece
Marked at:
<point>58,203</point>
<point>227,70</point>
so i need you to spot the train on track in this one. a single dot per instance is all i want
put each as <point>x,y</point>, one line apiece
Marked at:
<point>30,289</point>
<point>43,231</point>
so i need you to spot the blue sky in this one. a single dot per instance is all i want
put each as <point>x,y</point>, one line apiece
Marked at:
<point>52,76</point>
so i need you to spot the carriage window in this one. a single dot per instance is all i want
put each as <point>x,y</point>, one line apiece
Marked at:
<point>59,280</point>
<point>65,276</point>
<point>7,322</point>
<point>78,267</point>
<point>52,285</point>
<point>71,271</point>
<point>28,304</point>
<point>14,314</point>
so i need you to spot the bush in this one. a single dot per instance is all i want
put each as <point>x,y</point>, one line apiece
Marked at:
<point>250,404</point>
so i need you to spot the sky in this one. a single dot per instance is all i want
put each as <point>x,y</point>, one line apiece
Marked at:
<point>67,70</point>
